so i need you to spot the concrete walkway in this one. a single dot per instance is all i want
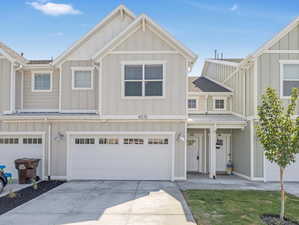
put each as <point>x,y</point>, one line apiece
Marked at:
<point>105,203</point>
<point>233,183</point>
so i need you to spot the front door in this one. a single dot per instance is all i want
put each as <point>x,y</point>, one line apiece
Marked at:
<point>193,156</point>
<point>222,152</point>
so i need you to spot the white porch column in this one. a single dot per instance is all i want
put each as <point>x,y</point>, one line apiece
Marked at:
<point>12,88</point>
<point>212,172</point>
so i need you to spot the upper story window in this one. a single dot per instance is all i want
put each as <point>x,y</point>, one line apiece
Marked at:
<point>192,104</point>
<point>289,77</point>
<point>219,103</point>
<point>82,78</point>
<point>42,82</point>
<point>143,80</point>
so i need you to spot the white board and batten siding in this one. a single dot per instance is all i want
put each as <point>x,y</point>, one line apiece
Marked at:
<point>268,69</point>
<point>37,100</point>
<point>73,100</point>
<point>5,72</point>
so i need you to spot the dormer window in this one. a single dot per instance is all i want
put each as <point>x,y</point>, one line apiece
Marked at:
<point>192,104</point>
<point>143,80</point>
<point>219,103</point>
<point>42,82</point>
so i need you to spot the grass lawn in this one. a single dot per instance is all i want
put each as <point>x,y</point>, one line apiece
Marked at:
<point>226,207</point>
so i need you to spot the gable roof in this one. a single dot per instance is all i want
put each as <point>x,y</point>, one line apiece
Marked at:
<point>144,20</point>
<point>119,9</point>
<point>277,37</point>
<point>207,85</point>
<point>11,54</point>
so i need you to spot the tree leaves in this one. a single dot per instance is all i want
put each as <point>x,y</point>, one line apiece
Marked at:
<point>277,131</point>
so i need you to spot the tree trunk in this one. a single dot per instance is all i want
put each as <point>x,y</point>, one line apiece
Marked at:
<point>282,194</point>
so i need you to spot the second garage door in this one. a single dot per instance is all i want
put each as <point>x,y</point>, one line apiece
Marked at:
<point>120,157</point>
<point>291,173</point>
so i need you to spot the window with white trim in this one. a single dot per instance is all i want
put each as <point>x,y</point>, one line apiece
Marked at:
<point>82,79</point>
<point>192,104</point>
<point>108,141</point>
<point>289,78</point>
<point>9,141</point>
<point>158,141</point>
<point>219,103</point>
<point>133,141</point>
<point>42,82</point>
<point>84,141</point>
<point>143,80</point>
<point>32,141</point>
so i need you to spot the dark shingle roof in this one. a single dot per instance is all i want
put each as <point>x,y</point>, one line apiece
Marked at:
<point>206,85</point>
<point>39,61</point>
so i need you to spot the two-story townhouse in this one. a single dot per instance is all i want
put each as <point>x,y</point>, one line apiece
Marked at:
<point>276,65</point>
<point>112,106</point>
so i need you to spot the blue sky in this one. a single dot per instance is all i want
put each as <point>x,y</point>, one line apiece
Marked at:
<point>43,29</point>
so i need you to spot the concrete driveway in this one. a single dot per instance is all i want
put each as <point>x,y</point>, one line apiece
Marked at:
<point>105,203</point>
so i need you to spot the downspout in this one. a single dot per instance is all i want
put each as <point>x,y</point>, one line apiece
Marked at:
<point>205,161</point>
<point>49,149</point>
<point>244,93</point>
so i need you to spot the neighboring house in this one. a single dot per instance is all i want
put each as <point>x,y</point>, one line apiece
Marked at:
<point>112,106</point>
<point>222,106</point>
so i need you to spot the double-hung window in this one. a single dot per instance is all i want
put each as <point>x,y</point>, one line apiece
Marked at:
<point>289,77</point>
<point>42,82</point>
<point>219,103</point>
<point>82,78</point>
<point>143,80</point>
<point>192,104</point>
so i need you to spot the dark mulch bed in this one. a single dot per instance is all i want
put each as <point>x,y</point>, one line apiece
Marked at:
<point>275,220</point>
<point>25,195</point>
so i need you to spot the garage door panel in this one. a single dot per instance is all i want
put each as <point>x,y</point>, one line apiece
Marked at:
<point>10,152</point>
<point>120,161</point>
<point>291,173</point>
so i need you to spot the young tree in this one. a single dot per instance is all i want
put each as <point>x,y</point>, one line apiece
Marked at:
<point>278,132</point>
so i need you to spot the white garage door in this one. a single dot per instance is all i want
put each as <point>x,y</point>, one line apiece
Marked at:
<point>14,147</point>
<point>291,174</point>
<point>134,157</point>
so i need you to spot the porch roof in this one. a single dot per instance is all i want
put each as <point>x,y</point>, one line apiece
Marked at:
<point>216,120</point>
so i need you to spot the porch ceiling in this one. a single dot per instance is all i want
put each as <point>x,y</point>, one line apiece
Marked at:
<point>216,120</point>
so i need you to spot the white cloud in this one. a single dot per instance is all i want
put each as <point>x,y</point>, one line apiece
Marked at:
<point>54,9</point>
<point>234,7</point>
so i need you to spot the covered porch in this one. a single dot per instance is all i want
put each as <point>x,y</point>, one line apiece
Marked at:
<point>213,143</point>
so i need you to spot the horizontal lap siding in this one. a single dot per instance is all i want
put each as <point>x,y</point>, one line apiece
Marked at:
<point>5,73</point>
<point>175,80</point>
<point>78,99</point>
<point>59,146</point>
<point>40,100</point>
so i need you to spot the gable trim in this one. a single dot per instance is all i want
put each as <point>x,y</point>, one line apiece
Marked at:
<point>222,62</point>
<point>143,52</point>
<point>121,9</point>
<point>276,37</point>
<point>136,25</point>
